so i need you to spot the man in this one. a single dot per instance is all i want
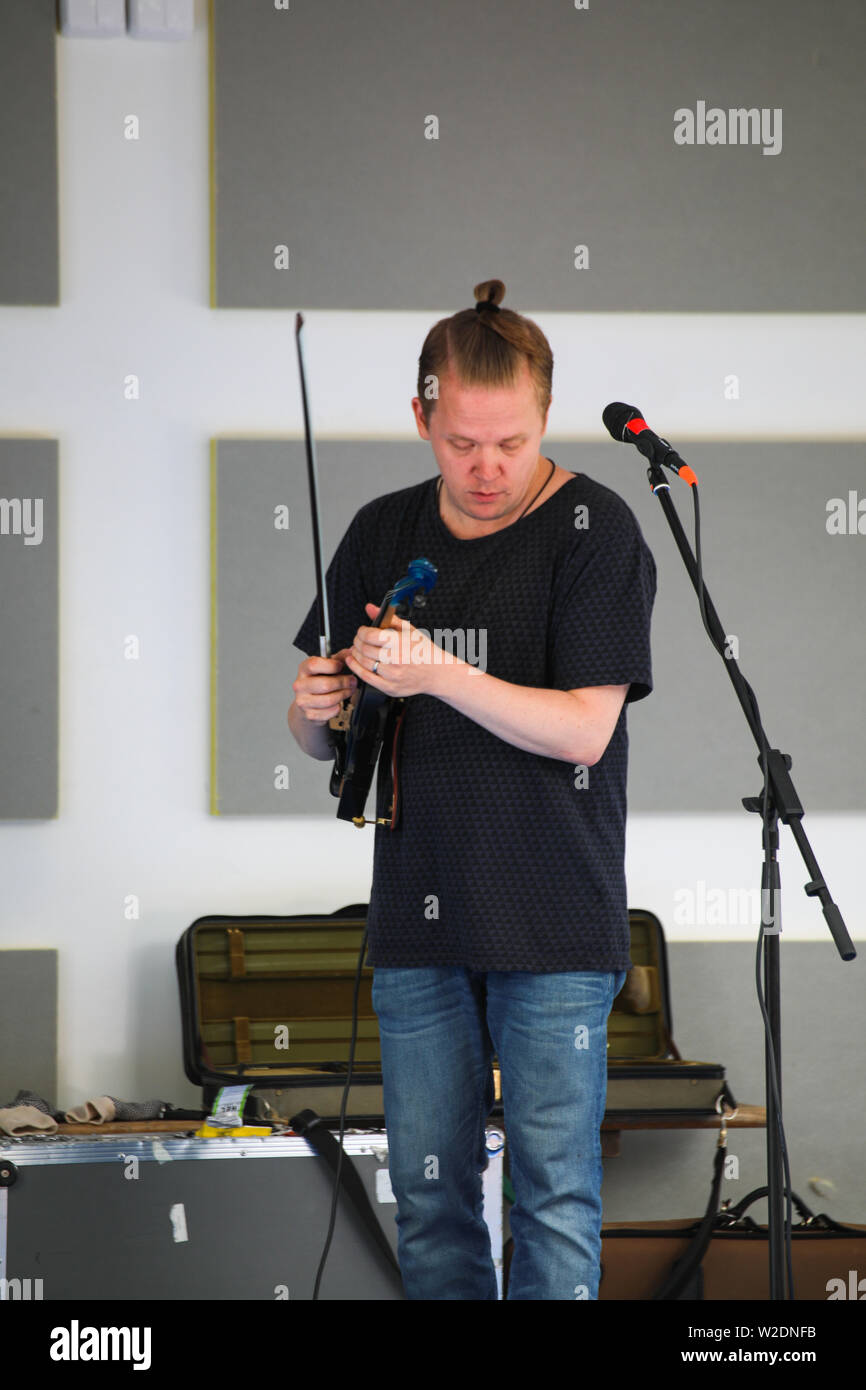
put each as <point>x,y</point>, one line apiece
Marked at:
<point>498,918</point>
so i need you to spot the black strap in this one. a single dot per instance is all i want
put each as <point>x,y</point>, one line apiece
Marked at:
<point>685,1267</point>
<point>312,1127</point>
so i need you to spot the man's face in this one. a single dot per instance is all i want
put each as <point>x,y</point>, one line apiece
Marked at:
<point>486,442</point>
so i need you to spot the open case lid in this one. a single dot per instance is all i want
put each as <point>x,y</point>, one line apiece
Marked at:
<point>268,998</point>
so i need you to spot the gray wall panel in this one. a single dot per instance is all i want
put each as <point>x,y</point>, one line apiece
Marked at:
<point>28,1024</point>
<point>556,129</point>
<point>265,582</point>
<point>789,591</point>
<point>29,258</point>
<point>28,629</point>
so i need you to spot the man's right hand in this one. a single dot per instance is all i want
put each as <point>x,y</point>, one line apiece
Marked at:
<point>321,686</point>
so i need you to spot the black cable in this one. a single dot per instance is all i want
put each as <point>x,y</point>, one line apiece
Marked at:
<point>343,1105</point>
<point>765,753</point>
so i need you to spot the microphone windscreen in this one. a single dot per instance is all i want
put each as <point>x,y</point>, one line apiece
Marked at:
<point>616,416</point>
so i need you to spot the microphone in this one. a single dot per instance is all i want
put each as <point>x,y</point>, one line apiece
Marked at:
<point>626,425</point>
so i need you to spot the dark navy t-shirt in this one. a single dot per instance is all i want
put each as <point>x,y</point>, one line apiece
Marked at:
<point>504,859</point>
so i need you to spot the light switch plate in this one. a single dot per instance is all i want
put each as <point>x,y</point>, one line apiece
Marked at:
<point>161,19</point>
<point>93,19</point>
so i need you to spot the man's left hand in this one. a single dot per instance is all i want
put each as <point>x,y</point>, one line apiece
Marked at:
<point>405,655</point>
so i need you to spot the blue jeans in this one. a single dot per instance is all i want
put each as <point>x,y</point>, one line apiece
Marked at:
<point>439,1029</point>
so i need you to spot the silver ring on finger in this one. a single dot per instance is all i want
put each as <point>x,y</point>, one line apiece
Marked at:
<point>375,667</point>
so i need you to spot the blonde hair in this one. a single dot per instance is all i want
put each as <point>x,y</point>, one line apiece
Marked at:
<point>486,346</point>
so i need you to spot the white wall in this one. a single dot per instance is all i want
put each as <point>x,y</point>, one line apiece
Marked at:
<point>135,554</point>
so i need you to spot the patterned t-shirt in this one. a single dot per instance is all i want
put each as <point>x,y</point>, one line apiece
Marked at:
<point>503,859</point>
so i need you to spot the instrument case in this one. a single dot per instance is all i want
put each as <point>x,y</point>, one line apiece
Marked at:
<point>267,1001</point>
<point>639,1258</point>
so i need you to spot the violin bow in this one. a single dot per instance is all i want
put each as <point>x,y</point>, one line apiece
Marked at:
<point>321,591</point>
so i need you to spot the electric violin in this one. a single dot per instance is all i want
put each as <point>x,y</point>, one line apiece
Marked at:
<point>368,718</point>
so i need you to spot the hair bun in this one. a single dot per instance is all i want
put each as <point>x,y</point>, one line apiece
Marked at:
<point>489,292</point>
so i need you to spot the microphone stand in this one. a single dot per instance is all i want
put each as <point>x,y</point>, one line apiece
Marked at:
<point>778,800</point>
